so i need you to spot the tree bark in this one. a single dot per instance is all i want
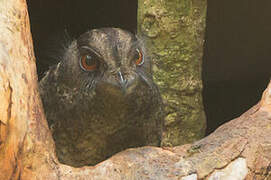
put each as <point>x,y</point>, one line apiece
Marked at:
<point>26,143</point>
<point>240,149</point>
<point>174,34</point>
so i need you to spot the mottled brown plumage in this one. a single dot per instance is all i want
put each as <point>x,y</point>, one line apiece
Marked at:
<point>100,98</point>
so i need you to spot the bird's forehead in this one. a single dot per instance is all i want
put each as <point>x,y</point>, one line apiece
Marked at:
<point>109,39</point>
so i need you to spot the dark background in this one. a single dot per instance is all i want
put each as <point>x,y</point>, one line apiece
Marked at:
<point>237,58</point>
<point>236,63</point>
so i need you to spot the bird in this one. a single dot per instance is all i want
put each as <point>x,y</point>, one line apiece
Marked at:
<point>100,98</point>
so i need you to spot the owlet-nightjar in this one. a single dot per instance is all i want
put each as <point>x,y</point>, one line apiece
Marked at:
<point>101,99</point>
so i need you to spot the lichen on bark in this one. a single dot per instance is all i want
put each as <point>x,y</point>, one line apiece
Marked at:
<point>174,33</point>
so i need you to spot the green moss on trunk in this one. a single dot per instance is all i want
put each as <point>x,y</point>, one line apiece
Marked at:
<point>174,33</point>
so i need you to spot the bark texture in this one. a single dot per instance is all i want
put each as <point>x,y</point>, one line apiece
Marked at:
<point>174,33</point>
<point>240,149</point>
<point>26,146</point>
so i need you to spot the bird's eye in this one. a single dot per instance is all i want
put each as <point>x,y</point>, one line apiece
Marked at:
<point>89,62</point>
<point>139,58</point>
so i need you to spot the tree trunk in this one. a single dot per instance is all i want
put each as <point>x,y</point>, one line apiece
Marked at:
<point>174,33</point>
<point>239,149</point>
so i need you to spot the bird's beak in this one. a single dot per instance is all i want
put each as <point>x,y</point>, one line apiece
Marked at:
<point>122,82</point>
<point>120,85</point>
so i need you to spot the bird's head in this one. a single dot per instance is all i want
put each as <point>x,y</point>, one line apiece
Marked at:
<point>109,60</point>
